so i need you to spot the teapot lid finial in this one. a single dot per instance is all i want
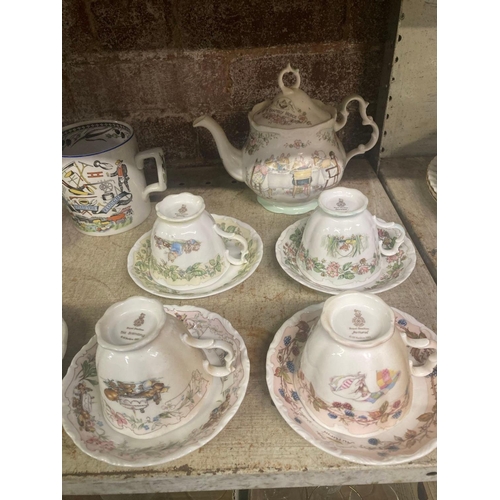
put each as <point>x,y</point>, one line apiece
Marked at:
<point>288,90</point>
<point>293,108</point>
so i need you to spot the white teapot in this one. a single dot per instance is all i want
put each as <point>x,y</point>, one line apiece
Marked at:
<point>292,152</point>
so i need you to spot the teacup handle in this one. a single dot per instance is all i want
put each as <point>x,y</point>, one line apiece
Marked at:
<point>159,156</point>
<point>237,237</point>
<point>216,371</point>
<point>430,363</point>
<point>399,239</point>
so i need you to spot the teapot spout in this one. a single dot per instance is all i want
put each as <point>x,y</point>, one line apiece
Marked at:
<point>232,158</point>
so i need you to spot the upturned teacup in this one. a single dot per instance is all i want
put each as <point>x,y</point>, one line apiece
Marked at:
<point>340,246</point>
<point>187,247</point>
<point>152,373</point>
<point>354,374</point>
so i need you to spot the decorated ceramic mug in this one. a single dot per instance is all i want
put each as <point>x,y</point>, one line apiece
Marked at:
<point>354,374</point>
<point>103,182</point>
<point>187,247</point>
<point>340,245</point>
<point>152,373</point>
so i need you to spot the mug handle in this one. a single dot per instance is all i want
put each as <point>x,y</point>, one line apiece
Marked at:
<point>431,362</point>
<point>399,239</point>
<point>237,237</point>
<point>159,156</point>
<point>216,371</point>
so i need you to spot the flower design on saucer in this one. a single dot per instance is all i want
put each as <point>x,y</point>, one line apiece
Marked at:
<point>138,263</point>
<point>84,422</point>
<point>395,268</point>
<point>412,438</point>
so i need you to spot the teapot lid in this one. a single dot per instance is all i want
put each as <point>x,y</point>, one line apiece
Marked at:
<point>293,108</point>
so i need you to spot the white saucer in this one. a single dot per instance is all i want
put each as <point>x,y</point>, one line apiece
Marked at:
<point>139,255</point>
<point>83,418</point>
<point>413,437</point>
<point>432,177</point>
<point>395,269</point>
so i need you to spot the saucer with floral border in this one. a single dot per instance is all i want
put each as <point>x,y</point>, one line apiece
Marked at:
<point>140,254</point>
<point>83,418</point>
<point>413,437</point>
<point>395,269</point>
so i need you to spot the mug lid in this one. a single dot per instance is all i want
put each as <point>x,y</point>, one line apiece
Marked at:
<point>292,108</point>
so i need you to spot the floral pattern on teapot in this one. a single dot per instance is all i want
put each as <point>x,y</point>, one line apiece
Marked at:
<point>257,140</point>
<point>297,144</point>
<point>285,113</point>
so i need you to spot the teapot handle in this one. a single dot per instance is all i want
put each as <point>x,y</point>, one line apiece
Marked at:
<point>367,120</point>
<point>158,155</point>
<point>231,236</point>
<point>430,363</point>
<point>216,371</point>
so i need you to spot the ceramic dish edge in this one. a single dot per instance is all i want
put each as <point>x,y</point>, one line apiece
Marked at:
<point>211,291</point>
<point>425,450</point>
<point>245,362</point>
<point>299,278</point>
<point>64,337</point>
<point>431,177</point>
